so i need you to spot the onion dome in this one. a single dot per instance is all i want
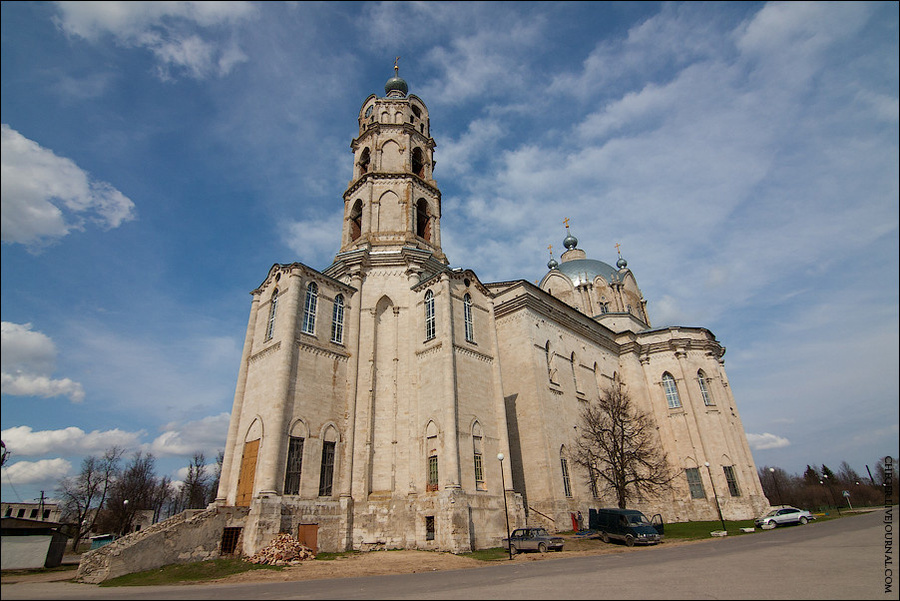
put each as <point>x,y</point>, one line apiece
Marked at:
<point>552,264</point>
<point>621,263</point>
<point>396,86</point>
<point>570,241</point>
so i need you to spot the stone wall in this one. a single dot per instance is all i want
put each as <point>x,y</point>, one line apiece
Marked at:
<point>193,535</point>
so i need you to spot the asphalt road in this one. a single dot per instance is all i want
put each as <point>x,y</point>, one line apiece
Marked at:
<point>839,559</point>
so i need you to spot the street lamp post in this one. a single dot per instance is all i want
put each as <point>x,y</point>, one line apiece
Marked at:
<point>716,495</point>
<point>777,490</point>
<point>831,493</point>
<point>505,505</point>
<point>125,517</point>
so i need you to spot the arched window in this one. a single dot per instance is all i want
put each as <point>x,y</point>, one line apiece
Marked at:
<point>364,160</point>
<point>423,220</point>
<point>704,388</point>
<point>337,320</point>
<point>431,443</point>
<point>326,473</point>
<point>309,308</point>
<point>564,464</point>
<point>418,161</point>
<point>356,220</point>
<point>270,326</point>
<point>548,356</point>
<point>294,466</point>
<point>429,315</point>
<point>671,389</point>
<point>467,313</point>
<point>478,452</point>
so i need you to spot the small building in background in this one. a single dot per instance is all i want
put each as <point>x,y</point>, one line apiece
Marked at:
<point>31,544</point>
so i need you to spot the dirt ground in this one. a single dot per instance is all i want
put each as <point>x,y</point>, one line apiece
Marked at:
<point>379,563</point>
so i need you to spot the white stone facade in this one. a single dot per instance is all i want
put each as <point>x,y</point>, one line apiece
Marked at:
<point>374,396</point>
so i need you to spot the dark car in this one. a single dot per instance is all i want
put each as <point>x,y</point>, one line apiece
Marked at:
<point>627,525</point>
<point>533,539</point>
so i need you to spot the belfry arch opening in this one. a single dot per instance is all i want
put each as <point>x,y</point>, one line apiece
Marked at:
<point>418,162</point>
<point>364,161</point>
<point>356,220</point>
<point>423,220</point>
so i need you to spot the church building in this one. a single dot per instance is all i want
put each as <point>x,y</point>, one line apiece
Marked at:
<point>376,397</point>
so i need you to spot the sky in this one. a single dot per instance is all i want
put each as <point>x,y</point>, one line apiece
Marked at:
<point>159,157</point>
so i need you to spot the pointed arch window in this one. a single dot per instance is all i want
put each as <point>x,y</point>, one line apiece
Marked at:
<point>326,473</point>
<point>418,160</point>
<point>704,389</point>
<point>478,454</point>
<point>429,316</point>
<point>337,320</point>
<point>356,220</point>
<point>309,308</point>
<point>270,324</point>
<point>365,157</point>
<point>672,398</point>
<point>423,220</point>
<point>467,313</point>
<point>294,466</point>
<point>431,444</point>
<point>564,464</point>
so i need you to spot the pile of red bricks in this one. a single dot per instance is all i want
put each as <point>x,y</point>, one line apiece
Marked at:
<point>284,550</point>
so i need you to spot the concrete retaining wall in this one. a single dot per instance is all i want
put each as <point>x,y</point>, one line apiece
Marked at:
<point>193,535</point>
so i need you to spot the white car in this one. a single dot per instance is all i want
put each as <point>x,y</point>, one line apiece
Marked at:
<point>785,515</point>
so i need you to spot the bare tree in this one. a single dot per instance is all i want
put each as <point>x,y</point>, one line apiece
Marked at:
<point>135,490</point>
<point>213,489</point>
<point>194,488</point>
<point>619,445</point>
<point>83,495</point>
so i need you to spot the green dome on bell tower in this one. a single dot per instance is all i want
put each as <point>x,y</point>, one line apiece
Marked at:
<point>396,86</point>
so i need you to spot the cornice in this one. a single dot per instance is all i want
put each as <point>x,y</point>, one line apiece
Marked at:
<point>381,175</point>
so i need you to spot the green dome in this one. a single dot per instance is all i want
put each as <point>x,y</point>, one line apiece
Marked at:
<point>396,83</point>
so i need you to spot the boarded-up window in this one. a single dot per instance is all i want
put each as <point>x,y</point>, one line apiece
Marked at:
<point>248,473</point>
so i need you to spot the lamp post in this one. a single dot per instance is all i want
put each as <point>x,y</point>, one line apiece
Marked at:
<point>831,493</point>
<point>777,490</point>
<point>125,517</point>
<point>505,506</point>
<point>716,495</point>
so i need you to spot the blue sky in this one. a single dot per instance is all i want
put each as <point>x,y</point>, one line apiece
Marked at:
<point>158,158</point>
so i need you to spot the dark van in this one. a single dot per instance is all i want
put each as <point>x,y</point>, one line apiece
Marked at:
<point>627,525</point>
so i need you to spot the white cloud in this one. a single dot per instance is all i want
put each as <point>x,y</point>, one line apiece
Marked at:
<point>762,442</point>
<point>44,196</point>
<point>33,472</point>
<point>167,29</point>
<point>205,435</point>
<point>24,441</point>
<point>28,359</point>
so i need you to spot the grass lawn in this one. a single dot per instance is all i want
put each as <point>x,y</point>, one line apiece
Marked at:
<point>187,572</point>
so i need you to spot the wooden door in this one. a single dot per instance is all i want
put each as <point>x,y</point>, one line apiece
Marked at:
<point>248,473</point>
<point>308,536</point>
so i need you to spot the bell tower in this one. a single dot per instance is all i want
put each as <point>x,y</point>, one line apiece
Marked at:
<point>392,200</point>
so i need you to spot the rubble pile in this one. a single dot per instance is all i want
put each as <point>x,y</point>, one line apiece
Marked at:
<point>284,550</point>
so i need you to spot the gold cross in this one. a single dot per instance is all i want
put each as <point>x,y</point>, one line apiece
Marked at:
<point>617,248</point>
<point>550,247</point>
<point>566,221</point>
<point>396,68</point>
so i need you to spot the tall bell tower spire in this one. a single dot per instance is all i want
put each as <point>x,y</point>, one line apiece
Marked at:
<point>392,201</point>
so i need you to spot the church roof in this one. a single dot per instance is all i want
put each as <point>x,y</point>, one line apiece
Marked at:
<point>583,271</point>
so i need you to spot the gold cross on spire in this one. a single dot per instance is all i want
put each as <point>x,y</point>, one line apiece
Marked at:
<point>396,68</point>
<point>566,221</point>
<point>550,248</point>
<point>618,250</point>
